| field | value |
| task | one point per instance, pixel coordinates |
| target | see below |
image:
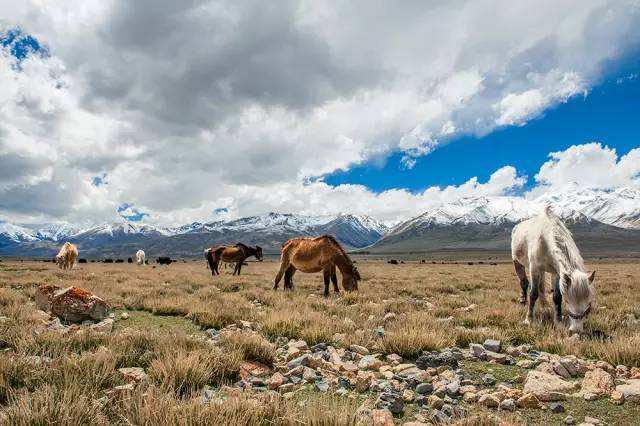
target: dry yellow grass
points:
(430, 303)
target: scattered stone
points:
(134, 374)
(569, 420)
(508, 405)
(389, 316)
(528, 400)
(104, 326)
(592, 420)
(556, 407)
(437, 359)
(596, 383)
(435, 402)
(492, 345)
(617, 397)
(488, 400)
(496, 357)
(526, 363)
(297, 362)
(359, 349)
(394, 359)
(369, 362)
(382, 418)
(408, 395)
(363, 381)
(488, 380)
(477, 350)
(322, 386)
(547, 387)
(276, 381)
(452, 389)
(630, 390)
(124, 316)
(391, 401)
(424, 388)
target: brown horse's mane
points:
(337, 244)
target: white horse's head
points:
(579, 293)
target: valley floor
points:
(193, 371)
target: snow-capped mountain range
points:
(269, 230)
(618, 208)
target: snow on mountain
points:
(124, 228)
(57, 231)
(620, 207)
(479, 210)
(15, 233)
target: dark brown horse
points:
(230, 254)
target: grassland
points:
(435, 306)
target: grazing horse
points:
(140, 257)
(236, 254)
(67, 256)
(312, 255)
(544, 244)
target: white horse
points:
(140, 257)
(543, 244)
(66, 257)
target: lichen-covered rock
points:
(74, 304)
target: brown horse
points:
(236, 254)
(312, 255)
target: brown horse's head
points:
(259, 253)
(350, 279)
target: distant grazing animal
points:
(67, 256)
(83, 260)
(164, 260)
(312, 255)
(236, 254)
(129, 260)
(544, 244)
(392, 262)
(140, 257)
(108, 260)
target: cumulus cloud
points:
(192, 106)
(590, 165)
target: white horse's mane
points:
(563, 246)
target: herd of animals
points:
(541, 244)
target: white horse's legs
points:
(536, 277)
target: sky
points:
(170, 112)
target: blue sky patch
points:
(609, 114)
(128, 212)
(20, 44)
(100, 180)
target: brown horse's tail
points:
(208, 254)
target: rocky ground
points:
(165, 349)
(438, 387)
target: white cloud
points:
(190, 106)
(590, 165)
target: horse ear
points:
(592, 276)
